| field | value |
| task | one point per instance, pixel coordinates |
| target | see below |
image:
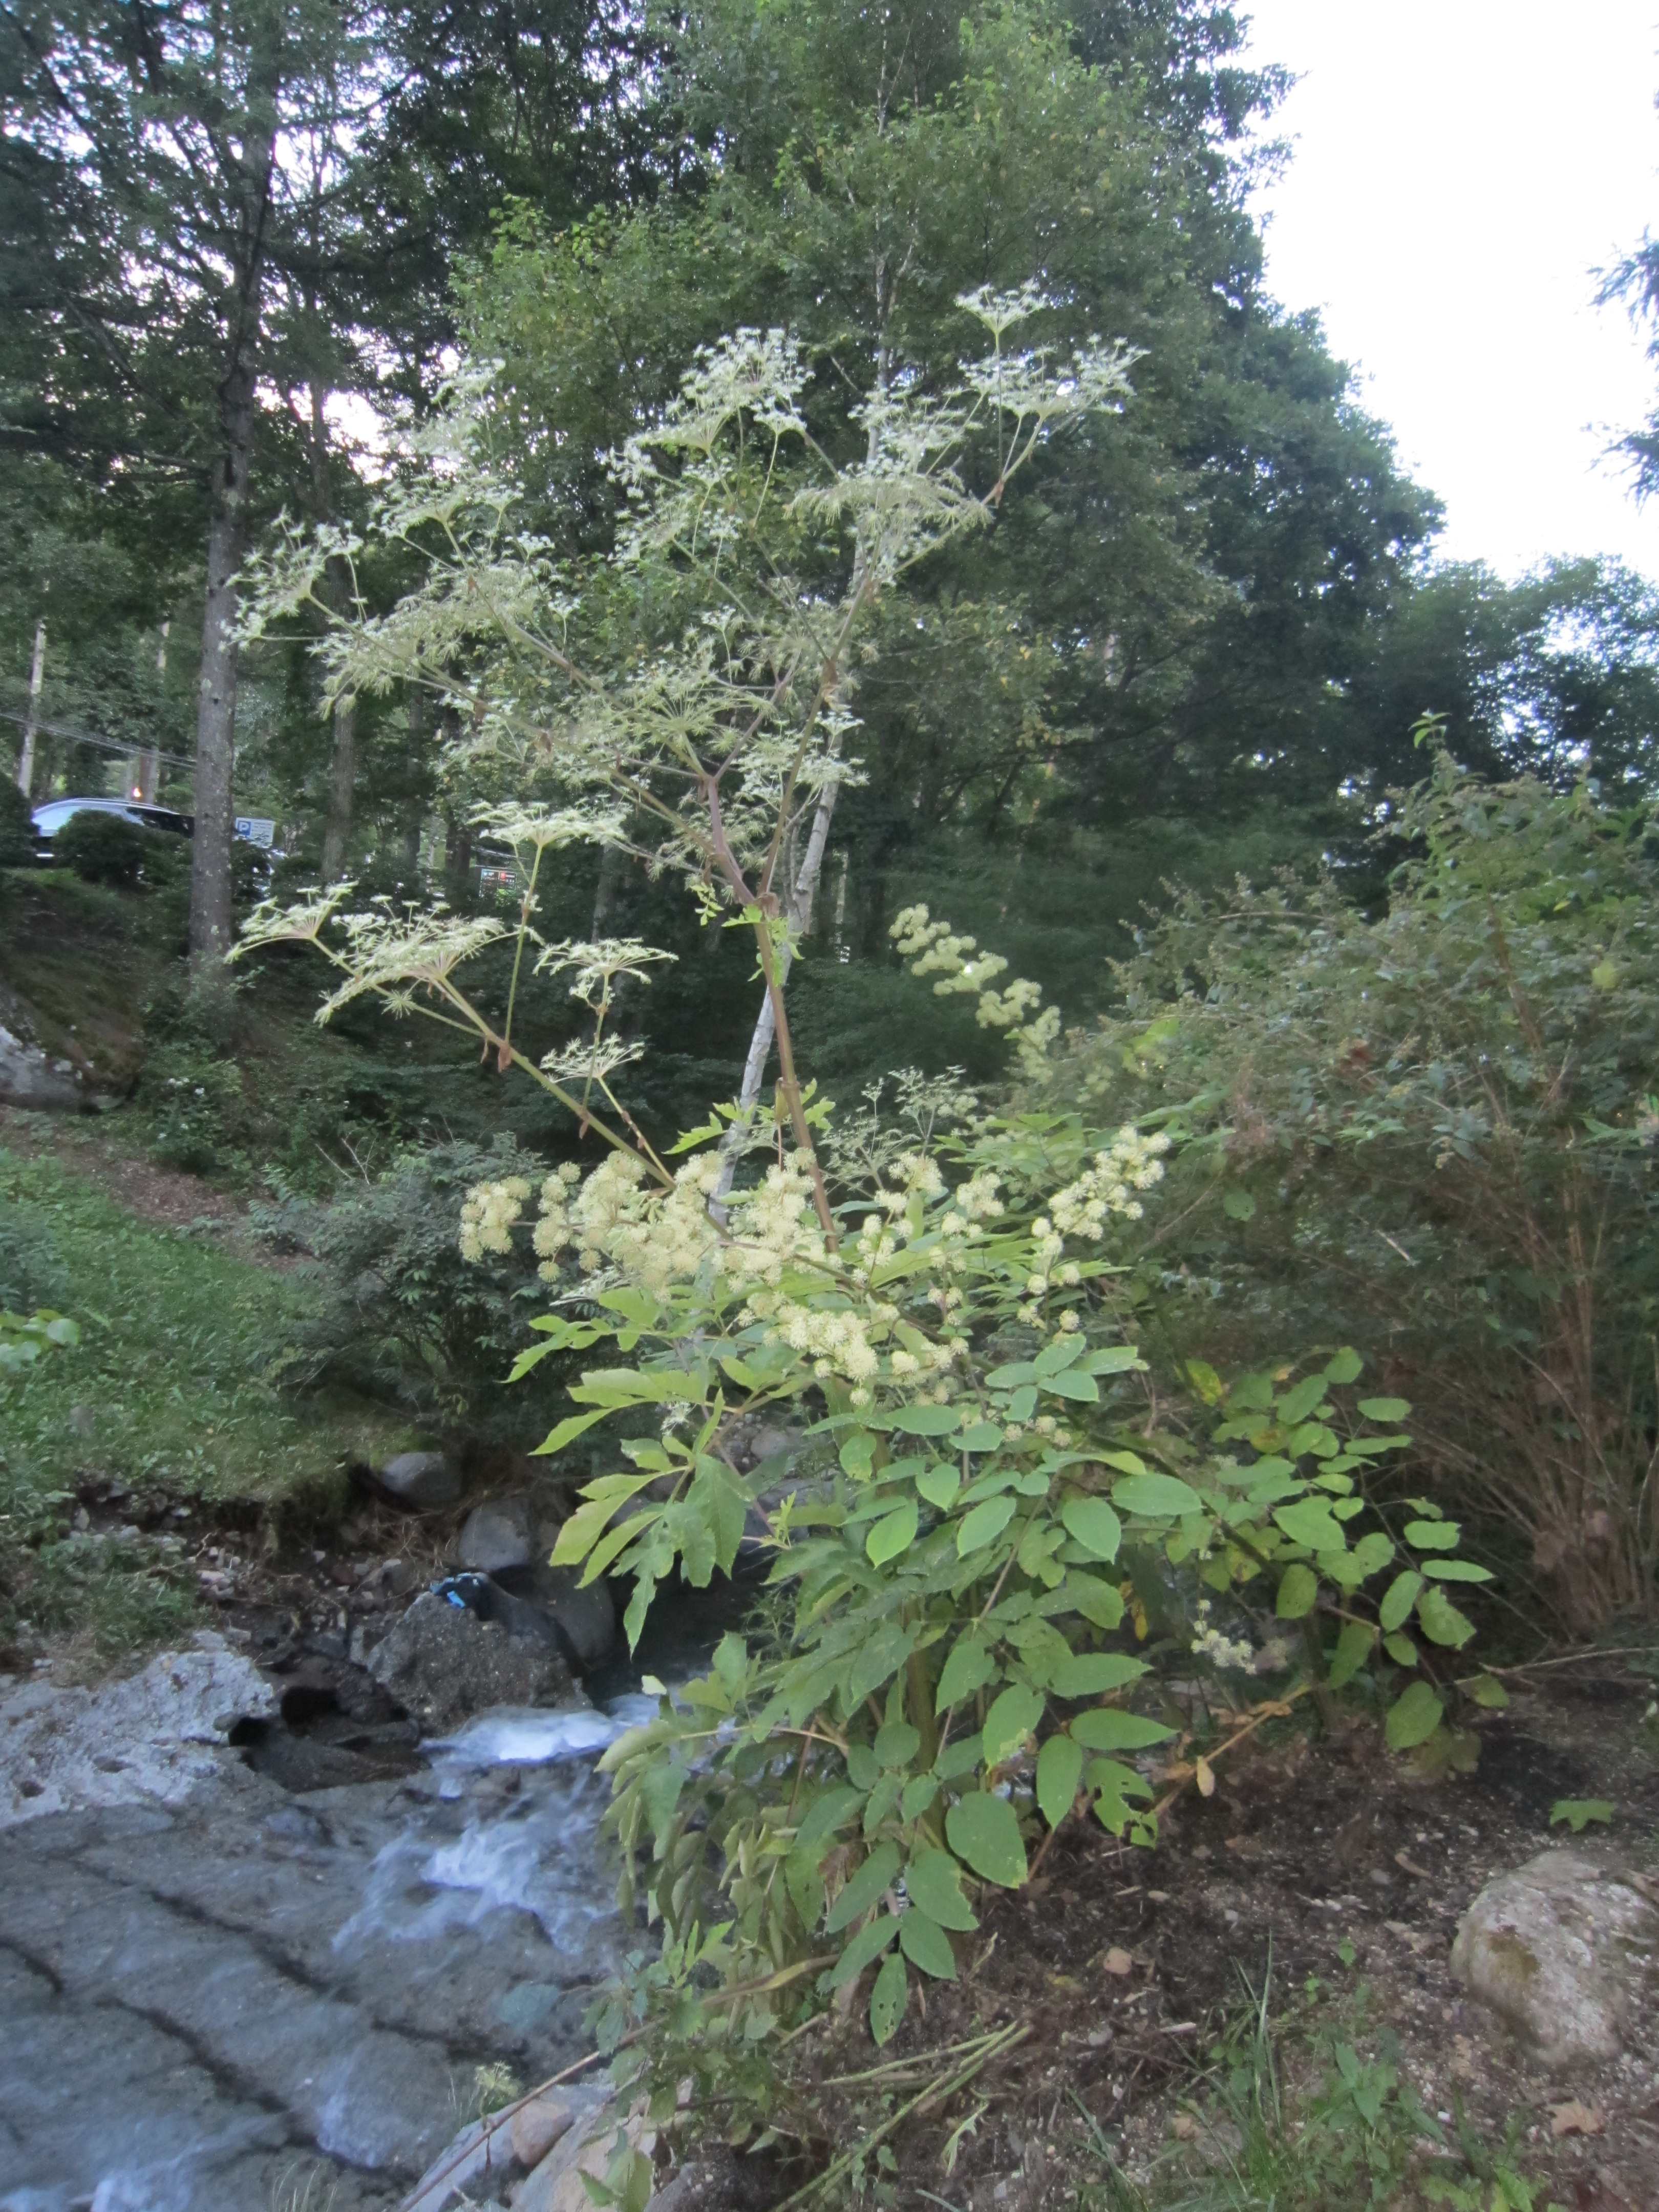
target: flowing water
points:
(257, 2002)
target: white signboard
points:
(255, 829)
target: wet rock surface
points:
(419, 1480)
(263, 1985)
(444, 1661)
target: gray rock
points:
(442, 1664)
(1559, 1949)
(479, 2159)
(153, 1737)
(536, 2126)
(28, 1077)
(496, 1536)
(417, 1480)
(588, 1617)
(556, 2184)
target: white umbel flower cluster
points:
(933, 948)
(1131, 1162)
(487, 1213)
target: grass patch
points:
(167, 1392)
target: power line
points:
(106, 744)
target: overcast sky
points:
(1459, 170)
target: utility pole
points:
(37, 677)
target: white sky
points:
(1459, 169)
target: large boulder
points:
(418, 1481)
(442, 1662)
(491, 2153)
(1558, 1949)
(28, 1078)
(496, 1536)
(585, 1618)
(154, 1736)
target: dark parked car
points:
(50, 818)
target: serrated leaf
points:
(1106, 1729)
(893, 1534)
(1059, 1770)
(1012, 1718)
(926, 1944)
(1091, 1522)
(983, 1525)
(888, 1997)
(567, 1430)
(1579, 1812)
(1089, 1674)
(1398, 1599)
(1298, 1592)
(983, 1831)
(864, 1889)
(1413, 1716)
(1385, 1409)
(968, 1668)
(933, 1880)
(1157, 1497)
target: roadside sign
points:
(255, 828)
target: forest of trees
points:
(242, 244)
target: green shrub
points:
(105, 849)
(1431, 1131)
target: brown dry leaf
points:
(1205, 1777)
(1573, 2118)
(1118, 1962)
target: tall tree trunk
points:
(227, 525)
(149, 762)
(37, 679)
(342, 764)
(342, 775)
(798, 911)
(413, 810)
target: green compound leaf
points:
(897, 1744)
(984, 1833)
(1398, 1599)
(894, 1533)
(939, 1484)
(1489, 1692)
(1105, 1729)
(1344, 1366)
(968, 1668)
(869, 1943)
(932, 1882)
(1401, 1650)
(926, 1944)
(1372, 1554)
(1441, 1621)
(1156, 1496)
(1089, 1674)
(1433, 1535)
(1091, 1522)
(1353, 1649)
(1311, 1522)
(1059, 1770)
(984, 1525)
(919, 1793)
(982, 1437)
(865, 1888)
(1413, 1717)
(1082, 1389)
(888, 1997)
(1298, 1591)
(1012, 1718)
(1387, 1410)
(927, 1420)
(1456, 1570)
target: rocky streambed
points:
(228, 1980)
